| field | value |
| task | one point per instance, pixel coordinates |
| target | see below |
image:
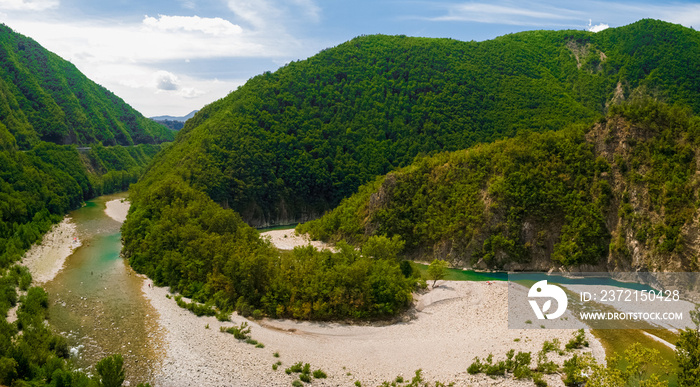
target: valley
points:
(132, 253)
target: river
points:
(97, 302)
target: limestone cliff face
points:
(617, 141)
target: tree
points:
(688, 353)
(437, 270)
(381, 247)
(638, 362)
(111, 371)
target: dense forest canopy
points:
(288, 145)
(47, 109)
(291, 144)
(45, 98)
(621, 195)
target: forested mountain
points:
(170, 124)
(47, 108)
(45, 105)
(45, 98)
(619, 195)
(289, 145)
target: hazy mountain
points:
(173, 118)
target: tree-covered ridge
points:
(38, 187)
(206, 252)
(621, 194)
(290, 144)
(45, 98)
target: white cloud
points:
(262, 14)
(165, 80)
(309, 8)
(190, 92)
(526, 14)
(687, 15)
(255, 12)
(212, 26)
(91, 46)
(550, 13)
(28, 5)
(188, 4)
(598, 27)
(128, 57)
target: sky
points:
(169, 57)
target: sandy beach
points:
(288, 240)
(441, 334)
(458, 321)
(447, 327)
(117, 209)
(44, 260)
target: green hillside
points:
(47, 108)
(620, 195)
(291, 144)
(45, 98)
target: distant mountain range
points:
(173, 118)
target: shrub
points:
(545, 365)
(297, 383)
(111, 371)
(297, 367)
(276, 354)
(475, 367)
(579, 341)
(259, 345)
(305, 378)
(496, 369)
(59, 345)
(194, 307)
(223, 316)
(318, 374)
(573, 370)
(522, 372)
(243, 308)
(539, 380)
(257, 314)
(241, 332)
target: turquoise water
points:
(467, 275)
(96, 300)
